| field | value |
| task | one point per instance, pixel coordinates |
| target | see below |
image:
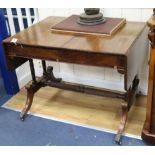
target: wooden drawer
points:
(69, 56)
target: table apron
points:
(70, 56)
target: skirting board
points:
(22, 81)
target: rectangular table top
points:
(40, 35)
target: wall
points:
(96, 76)
(16, 20)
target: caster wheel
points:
(22, 119)
(22, 116)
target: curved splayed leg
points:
(121, 128)
(28, 104)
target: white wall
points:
(130, 14)
(96, 76)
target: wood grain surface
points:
(40, 35)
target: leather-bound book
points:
(70, 25)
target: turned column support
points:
(44, 66)
(151, 24)
(32, 71)
(151, 36)
(148, 132)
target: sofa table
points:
(122, 51)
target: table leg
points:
(28, 104)
(118, 138)
(131, 93)
(36, 85)
(31, 89)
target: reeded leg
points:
(131, 93)
(122, 124)
(31, 89)
(28, 104)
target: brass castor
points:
(22, 116)
(118, 138)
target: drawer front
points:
(89, 58)
(68, 56)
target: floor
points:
(89, 110)
(38, 131)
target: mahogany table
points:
(121, 51)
